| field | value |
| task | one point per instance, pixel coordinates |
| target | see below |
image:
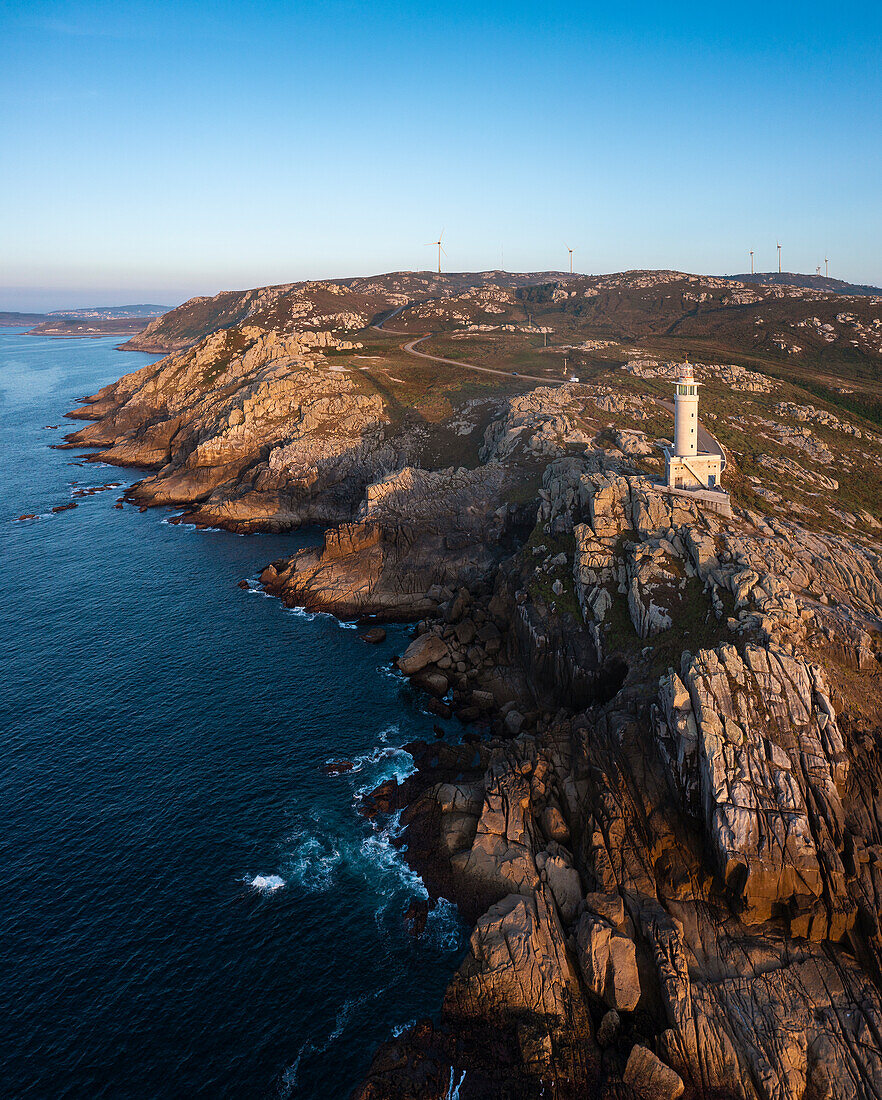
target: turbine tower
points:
(779, 257)
(570, 250)
(751, 261)
(826, 268)
(430, 244)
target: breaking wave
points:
(265, 884)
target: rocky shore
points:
(663, 816)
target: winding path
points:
(410, 348)
(706, 441)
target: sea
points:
(190, 905)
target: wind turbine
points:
(440, 249)
(570, 250)
(826, 269)
(751, 261)
(779, 257)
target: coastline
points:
(640, 680)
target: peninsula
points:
(663, 815)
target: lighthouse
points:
(686, 466)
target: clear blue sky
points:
(149, 151)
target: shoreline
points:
(638, 678)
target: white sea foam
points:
(453, 1089)
(393, 729)
(301, 613)
(266, 884)
(400, 1029)
(167, 522)
(255, 588)
(382, 763)
(314, 861)
(444, 929)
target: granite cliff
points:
(663, 817)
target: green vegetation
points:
(234, 344)
(540, 584)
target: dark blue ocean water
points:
(189, 906)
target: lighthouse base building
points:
(686, 467)
(698, 471)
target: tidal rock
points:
(425, 650)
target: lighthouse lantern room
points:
(686, 467)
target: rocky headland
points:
(663, 817)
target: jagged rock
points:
(434, 682)
(608, 961)
(565, 885)
(500, 861)
(517, 973)
(766, 755)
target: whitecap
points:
(382, 764)
(167, 521)
(400, 1029)
(266, 884)
(255, 588)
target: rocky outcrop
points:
(248, 430)
(700, 838)
(417, 530)
(543, 422)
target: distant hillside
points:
(83, 326)
(14, 320)
(110, 313)
(814, 282)
(338, 305)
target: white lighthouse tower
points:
(687, 467)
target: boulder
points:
(650, 1078)
(425, 650)
(554, 826)
(609, 1028)
(433, 682)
